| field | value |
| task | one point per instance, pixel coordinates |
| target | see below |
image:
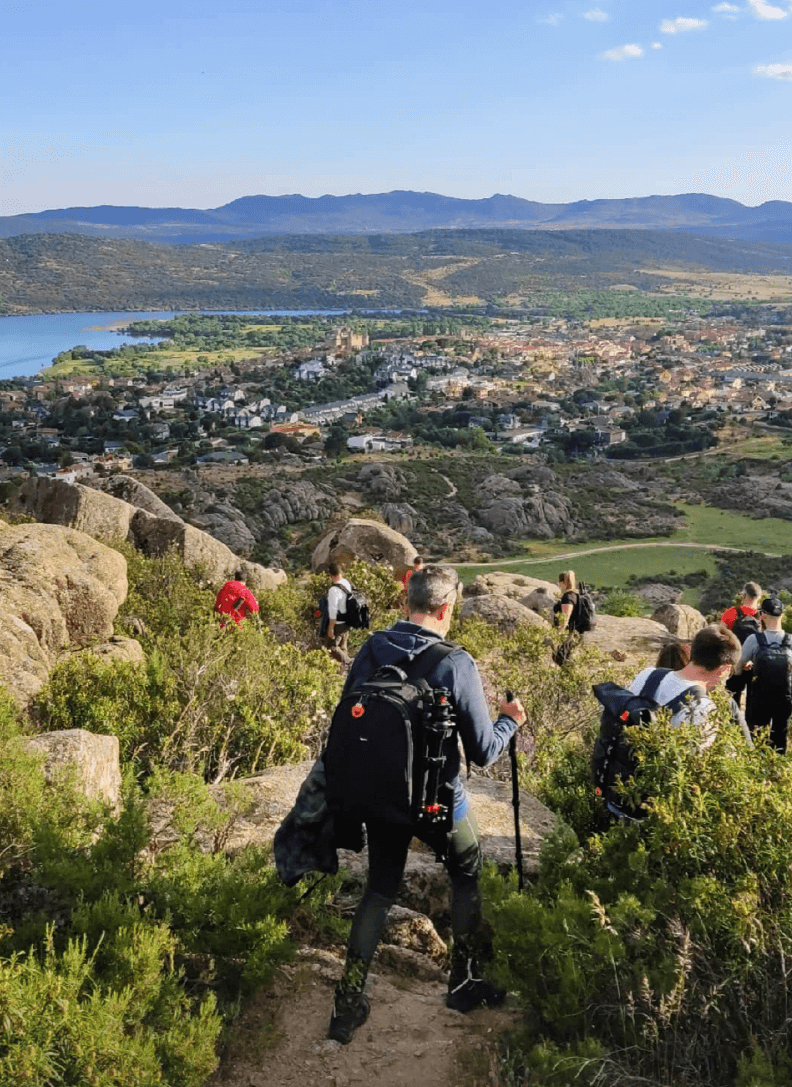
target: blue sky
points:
(196, 102)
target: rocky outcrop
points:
(502, 583)
(371, 541)
(500, 611)
(118, 648)
(381, 483)
(402, 517)
(636, 641)
(55, 502)
(658, 594)
(295, 501)
(507, 510)
(225, 523)
(137, 494)
(756, 495)
(89, 761)
(108, 518)
(542, 601)
(60, 590)
(682, 620)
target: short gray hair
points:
(431, 587)
(751, 590)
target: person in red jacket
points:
(235, 600)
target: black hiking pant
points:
(388, 846)
(774, 711)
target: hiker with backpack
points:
(574, 613)
(336, 637)
(766, 658)
(683, 692)
(743, 620)
(235, 601)
(379, 758)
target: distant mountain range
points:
(402, 212)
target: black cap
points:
(772, 606)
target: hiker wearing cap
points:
(767, 656)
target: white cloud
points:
(763, 10)
(596, 16)
(678, 26)
(551, 20)
(728, 11)
(623, 52)
(657, 45)
(782, 72)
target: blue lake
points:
(29, 344)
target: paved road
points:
(599, 550)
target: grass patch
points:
(705, 524)
(612, 568)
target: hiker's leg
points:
(387, 846)
(758, 712)
(779, 725)
(472, 947)
(464, 868)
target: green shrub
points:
(64, 1021)
(620, 602)
(665, 941)
(136, 702)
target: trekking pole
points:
(516, 803)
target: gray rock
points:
(500, 611)
(137, 494)
(658, 594)
(402, 517)
(90, 761)
(680, 619)
(368, 540)
(60, 590)
(381, 483)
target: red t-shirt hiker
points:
(235, 600)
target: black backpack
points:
(745, 625)
(388, 745)
(772, 667)
(612, 758)
(357, 610)
(584, 614)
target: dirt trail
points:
(410, 1038)
(597, 550)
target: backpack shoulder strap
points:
(761, 638)
(652, 683)
(678, 701)
(420, 667)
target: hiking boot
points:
(466, 990)
(475, 993)
(350, 1010)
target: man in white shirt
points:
(767, 657)
(713, 653)
(337, 637)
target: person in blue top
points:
(432, 593)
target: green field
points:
(613, 567)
